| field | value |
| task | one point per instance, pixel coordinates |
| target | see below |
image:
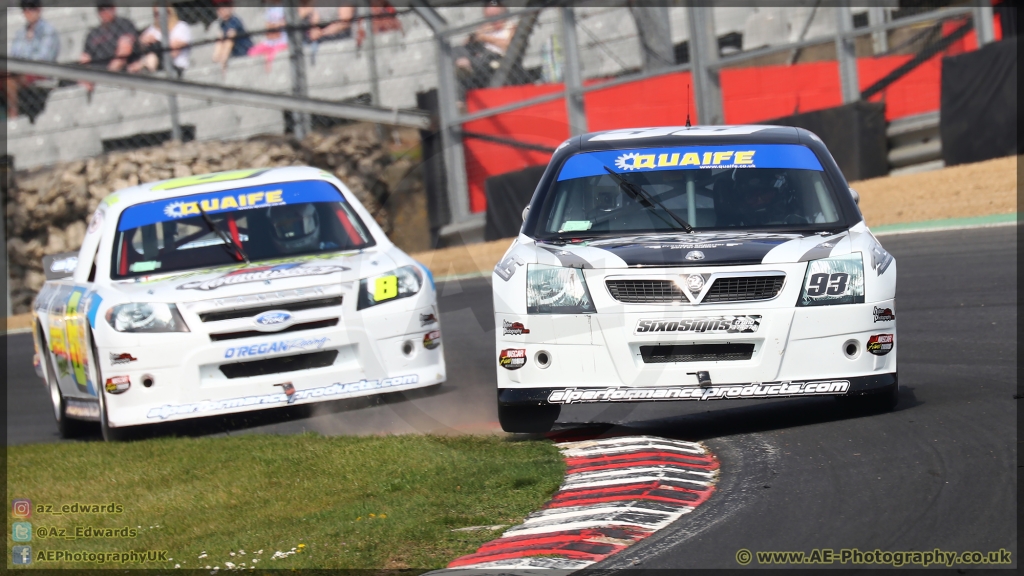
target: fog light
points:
(408, 348)
(543, 359)
(851, 349)
(148, 380)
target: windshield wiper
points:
(228, 240)
(638, 194)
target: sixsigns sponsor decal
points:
(884, 314)
(754, 390)
(713, 325)
(513, 328)
(512, 358)
(336, 389)
(881, 344)
(262, 273)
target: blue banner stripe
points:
(690, 158)
(263, 196)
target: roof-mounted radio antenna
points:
(687, 104)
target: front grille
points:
(292, 328)
(744, 289)
(696, 353)
(279, 365)
(289, 306)
(645, 291)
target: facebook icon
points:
(21, 555)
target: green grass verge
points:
(339, 502)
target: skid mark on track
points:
(616, 492)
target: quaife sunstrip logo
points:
(755, 390)
(859, 557)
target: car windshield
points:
(226, 227)
(752, 187)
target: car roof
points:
(688, 136)
(213, 182)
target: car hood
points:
(256, 278)
(697, 249)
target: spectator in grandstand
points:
(340, 28)
(36, 41)
(233, 41)
(486, 46)
(309, 18)
(275, 40)
(151, 44)
(113, 44)
(383, 18)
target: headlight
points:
(833, 281)
(401, 283)
(556, 290)
(146, 317)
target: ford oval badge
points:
(273, 319)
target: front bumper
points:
(604, 350)
(383, 351)
(853, 386)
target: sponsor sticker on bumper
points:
(754, 390)
(708, 325)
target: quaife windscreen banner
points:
(264, 196)
(690, 158)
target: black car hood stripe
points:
(672, 249)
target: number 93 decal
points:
(822, 284)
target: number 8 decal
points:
(828, 284)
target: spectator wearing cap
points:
(233, 41)
(151, 43)
(38, 40)
(112, 44)
(275, 40)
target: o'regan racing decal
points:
(262, 273)
(280, 346)
(881, 344)
(690, 158)
(713, 325)
(755, 390)
(512, 358)
(336, 389)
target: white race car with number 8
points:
(231, 292)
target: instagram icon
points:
(21, 508)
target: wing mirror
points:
(856, 196)
(525, 212)
(57, 266)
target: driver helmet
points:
(294, 228)
(760, 190)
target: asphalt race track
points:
(798, 474)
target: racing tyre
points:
(66, 427)
(526, 419)
(876, 402)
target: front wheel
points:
(527, 419)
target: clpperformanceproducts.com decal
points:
(754, 390)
